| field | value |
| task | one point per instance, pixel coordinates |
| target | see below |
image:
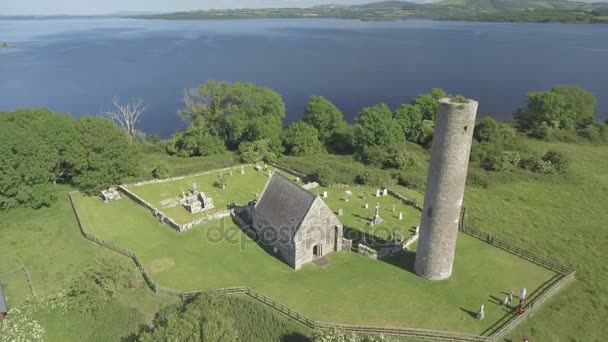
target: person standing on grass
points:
(523, 293)
(506, 301)
(510, 298)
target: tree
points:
(259, 116)
(409, 118)
(127, 115)
(325, 176)
(578, 100)
(302, 139)
(26, 162)
(429, 103)
(490, 129)
(109, 154)
(256, 151)
(209, 107)
(564, 107)
(195, 141)
(342, 141)
(375, 127)
(236, 111)
(324, 116)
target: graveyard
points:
(344, 288)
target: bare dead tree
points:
(126, 115)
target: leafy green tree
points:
(196, 141)
(578, 100)
(259, 116)
(162, 170)
(256, 151)
(425, 132)
(240, 111)
(409, 118)
(490, 129)
(26, 162)
(302, 139)
(210, 107)
(561, 108)
(342, 141)
(375, 127)
(428, 104)
(324, 116)
(109, 154)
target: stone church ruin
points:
(298, 225)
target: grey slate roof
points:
(284, 204)
(3, 308)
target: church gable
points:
(284, 204)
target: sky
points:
(49, 7)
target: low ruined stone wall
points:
(290, 171)
(405, 200)
(204, 219)
(157, 213)
(167, 219)
(390, 251)
(367, 251)
(233, 168)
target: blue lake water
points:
(78, 65)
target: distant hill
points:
(478, 10)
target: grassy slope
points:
(565, 219)
(48, 242)
(338, 292)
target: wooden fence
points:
(567, 275)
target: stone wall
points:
(204, 219)
(367, 251)
(347, 244)
(168, 220)
(405, 200)
(234, 168)
(157, 213)
(290, 171)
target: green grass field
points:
(49, 243)
(350, 289)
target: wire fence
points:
(10, 274)
(567, 275)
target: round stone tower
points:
(445, 187)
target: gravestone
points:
(401, 216)
(377, 192)
(366, 205)
(340, 212)
(385, 192)
(324, 194)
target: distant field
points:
(350, 289)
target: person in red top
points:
(520, 310)
(525, 339)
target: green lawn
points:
(563, 217)
(49, 243)
(239, 188)
(350, 289)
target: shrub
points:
(100, 283)
(253, 152)
(374, 179)
(505, 161)
(324, 176)
(490, 129)
(162, 170)
(557, 159)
